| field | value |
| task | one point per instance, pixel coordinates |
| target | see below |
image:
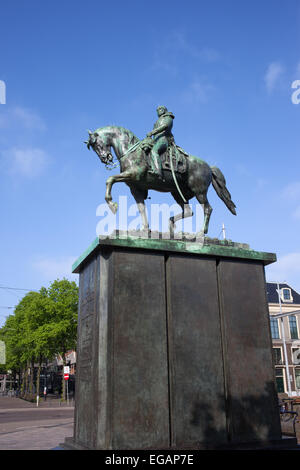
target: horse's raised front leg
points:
(124, 177)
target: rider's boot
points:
(156, 168)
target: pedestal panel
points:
(195, 349)
(251, 395)
(86, 372)
(140, 403)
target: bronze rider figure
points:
(162, 132)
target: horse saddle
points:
(177, 154)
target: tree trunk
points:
(26, 377)
(22, 378)
(38, 377)
(31, 377)
(19, 379)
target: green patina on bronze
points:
(223, 248)
(157, 163)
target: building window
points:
(296, 355)
(274, 328)
(277, 356)
(293, 327)
(297, 378)
(279, 380)
(286, 295)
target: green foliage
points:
(44, 324)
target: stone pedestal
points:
(174, 347)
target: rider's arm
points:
(159, 129)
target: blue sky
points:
(224, 69)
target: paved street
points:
(24, 426)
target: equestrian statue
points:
(157, 163)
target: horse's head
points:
(100, 146)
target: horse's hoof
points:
(113, 207)
(200, 236)
(171, 232)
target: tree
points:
(21, 335)
(62, 328)
(11, 337)
(43, 325)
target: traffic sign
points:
(66, 376)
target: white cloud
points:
(175, 47)
(180, 43)
(28, 162)
(29, 119)
(55, 268)
(160, 64)
(287, 268)
(209, 54)
(261, 183)
(21, 117)
(296, 213)
(198, 91)
(272, 76)
(291, 192)
(290, 195)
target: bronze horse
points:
(135, 172)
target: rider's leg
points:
(155, 162)
(158, 148)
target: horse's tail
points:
(219, 184)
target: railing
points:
(288, 416)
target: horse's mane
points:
(121, 130)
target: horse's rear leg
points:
(186, 212)
(140, 197)
(207, 209)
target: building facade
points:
(284, 309)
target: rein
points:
(114, 165)
(134, 146)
